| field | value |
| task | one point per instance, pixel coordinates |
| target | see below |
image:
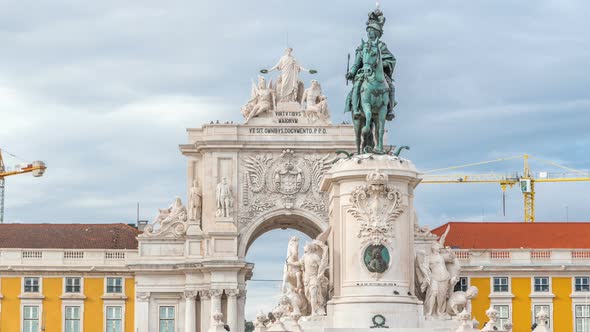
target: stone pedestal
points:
(372, 248)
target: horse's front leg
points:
(381, 127)
(368, 116)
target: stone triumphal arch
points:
(242, 180)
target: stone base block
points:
(371, 312)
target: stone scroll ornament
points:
(170, 222)
(376, 205)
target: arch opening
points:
(305, 223)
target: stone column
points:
(215, 302)
(241, 310)
(205, 310)
(190, 315)
(142, 311)
(232, 309)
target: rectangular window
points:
(72, 319)
(166, 319)
(462, 284)
(114, 318)
(503, 315)
(582, 284)
(541, 284)
(31, 285)
(73, 285)
(501, 284)
(114, 285)
(30, 319)
(582, 318)
(537, 308)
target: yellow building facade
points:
(519, 274)
(69, 278)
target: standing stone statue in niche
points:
(195, 200)
(437, 274)
(224, 198)
(289, 87)
(372, 97)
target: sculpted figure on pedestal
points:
(458, 300)
(169, 222)
(224, 198)
(493, 320)
(436, 280)
(195, 200)
(316, 104)
(262, 100)
(305, 280)
(315, 280)
(289, 87)
(292, 287)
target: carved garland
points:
(376, 206)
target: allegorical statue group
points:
(287, 91)
(305, 279)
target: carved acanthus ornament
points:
(190, 294)
(376, 205)
(287, 180)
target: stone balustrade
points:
(495, 257)
(65, 257)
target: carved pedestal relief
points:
(284, 181)
(376, 205)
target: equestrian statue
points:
(372, 97)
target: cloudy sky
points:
(102, 91)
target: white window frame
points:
(122, 286)
(72, 303)
(79, 304)
(173, 305)
(550, 313)
(574, 284)
(550, 285)
(574, 304)
(22, 290)
(113, 303)
(509, 305)
(81, 285)
(31, 303)
(508, 280)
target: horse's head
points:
(371, 53)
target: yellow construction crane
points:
(526, 180)
(37, 168)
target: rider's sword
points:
(347, 68)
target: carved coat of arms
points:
(287, 181)
(376, 206)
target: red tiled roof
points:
(515, 235)
(68, 236)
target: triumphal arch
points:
(243, 179)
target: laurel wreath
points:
(379, 322)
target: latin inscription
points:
(289, 131)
